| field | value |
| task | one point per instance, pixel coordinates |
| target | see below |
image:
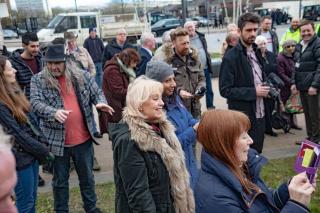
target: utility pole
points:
(75, 4)
(300, 7)
(184, 10)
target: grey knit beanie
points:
(158, 70)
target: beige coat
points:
(84, 57)
(189, 77)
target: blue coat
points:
(218, 190)
(145, 58)
(183, 121)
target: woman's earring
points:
(140, 109)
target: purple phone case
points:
(311, 171)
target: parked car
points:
(9, 34)
(165, 24)
(278, 15)
(312, 12)
(154, 17)
(202, 22)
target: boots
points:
(96, 166)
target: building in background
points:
(32, 7)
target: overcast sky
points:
(71, 3)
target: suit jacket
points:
(145, 58)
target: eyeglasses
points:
(290, 46)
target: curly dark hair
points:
(248, 17)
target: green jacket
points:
(318, 30)
(290, 35)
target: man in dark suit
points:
(148, 44)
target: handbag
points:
(293, 104)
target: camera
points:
(274, 82)
(200, 91)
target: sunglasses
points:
(290, 46)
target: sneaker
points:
(41, 182)
(96, 166)
(97, 135)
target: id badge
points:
(297, 65)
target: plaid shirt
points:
(46, 101)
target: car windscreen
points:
(159, 23)
(54, 22)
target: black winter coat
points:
(113, 48)
(236, 81)
(95, 48)
(28, 146)
(24, 73)
(307, 65)
(150, 178)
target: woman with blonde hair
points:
(149, 168)
(229, 180)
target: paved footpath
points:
(274, 147)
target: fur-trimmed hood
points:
(171, 153)
(171, 54)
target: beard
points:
(249, 41)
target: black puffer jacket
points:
(24, 73)
(307, 65)
(113, 48)
(29, 143)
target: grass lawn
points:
(276, 172)
(215, 55)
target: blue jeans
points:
(82, 156)
(26, 188)
(99, 74)
(209, 92)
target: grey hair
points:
(166, 36)
(121, 30)
(188, 23)
(260, 39)
(288, 42)
(71, 71)
(146, 37)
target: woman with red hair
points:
(229, 178)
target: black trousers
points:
(256, 132)
(269, 107)
(311, 109)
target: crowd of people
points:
(148, 102)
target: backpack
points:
(280, 121)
